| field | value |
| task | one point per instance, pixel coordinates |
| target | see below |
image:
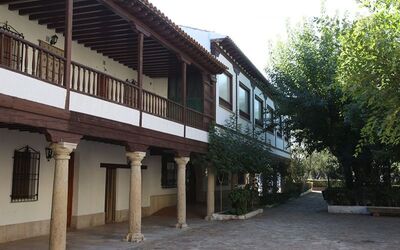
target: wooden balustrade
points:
(95, 83)
(195, 119)
(162, 107)
(30, 59)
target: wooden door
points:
(110, 199)
(70, 189)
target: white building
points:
(242, 91)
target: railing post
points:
(69, 7)
(2, 47)
(140, 73)
(183, 94)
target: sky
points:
(252, 24)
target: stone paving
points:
(299, 224)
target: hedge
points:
(365, 196)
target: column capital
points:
(62, 150)
(136, 157)
(182, 161)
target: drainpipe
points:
(252, 117)
(237, 72)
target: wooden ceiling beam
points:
(97, 35)
(51, 18)
(83, 21)
(83, 10)
(57, 6)
(118, 24)
(106, 39)
(32, 3)
(101, 31)
(127, 43)
(124, 51)
(13, 1)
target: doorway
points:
(190, 184)
(110, 199)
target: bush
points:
(242, 199)
(364, 196)
(275, 198)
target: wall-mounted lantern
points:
(53, 40)
(49, 153)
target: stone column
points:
(181, 206)
(247, 178)
(210, 192)
(58, 224)
(135, 197)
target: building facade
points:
(102, 104)
(242, 93)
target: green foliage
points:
(314, 165)
(241, 200)
(304, 73)
(313, 79)
(370, 70)
(237, 150)
(366, 196)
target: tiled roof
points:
(160, 23)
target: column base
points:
(208, 217)
(181, 225)
(134, 237)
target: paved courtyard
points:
(299, 224)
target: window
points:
(25, 179)
(280, 127)
(244, 101)
(168, 172)
(270, 119)
(224, 82)
(258, 111)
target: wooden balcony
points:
(24, 57)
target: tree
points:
(370, 69)
(304, 74)
(236, 149)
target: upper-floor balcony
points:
(107, 62)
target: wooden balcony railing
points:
(95, 83)
(162, 107)
(195, 119)
(30, 59)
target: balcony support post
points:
(184, 63)
(69, 8)
(140, 73)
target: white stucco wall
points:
(91, 186)
(20, 212)
(162, 125)
(31, 89)
(101, 108)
